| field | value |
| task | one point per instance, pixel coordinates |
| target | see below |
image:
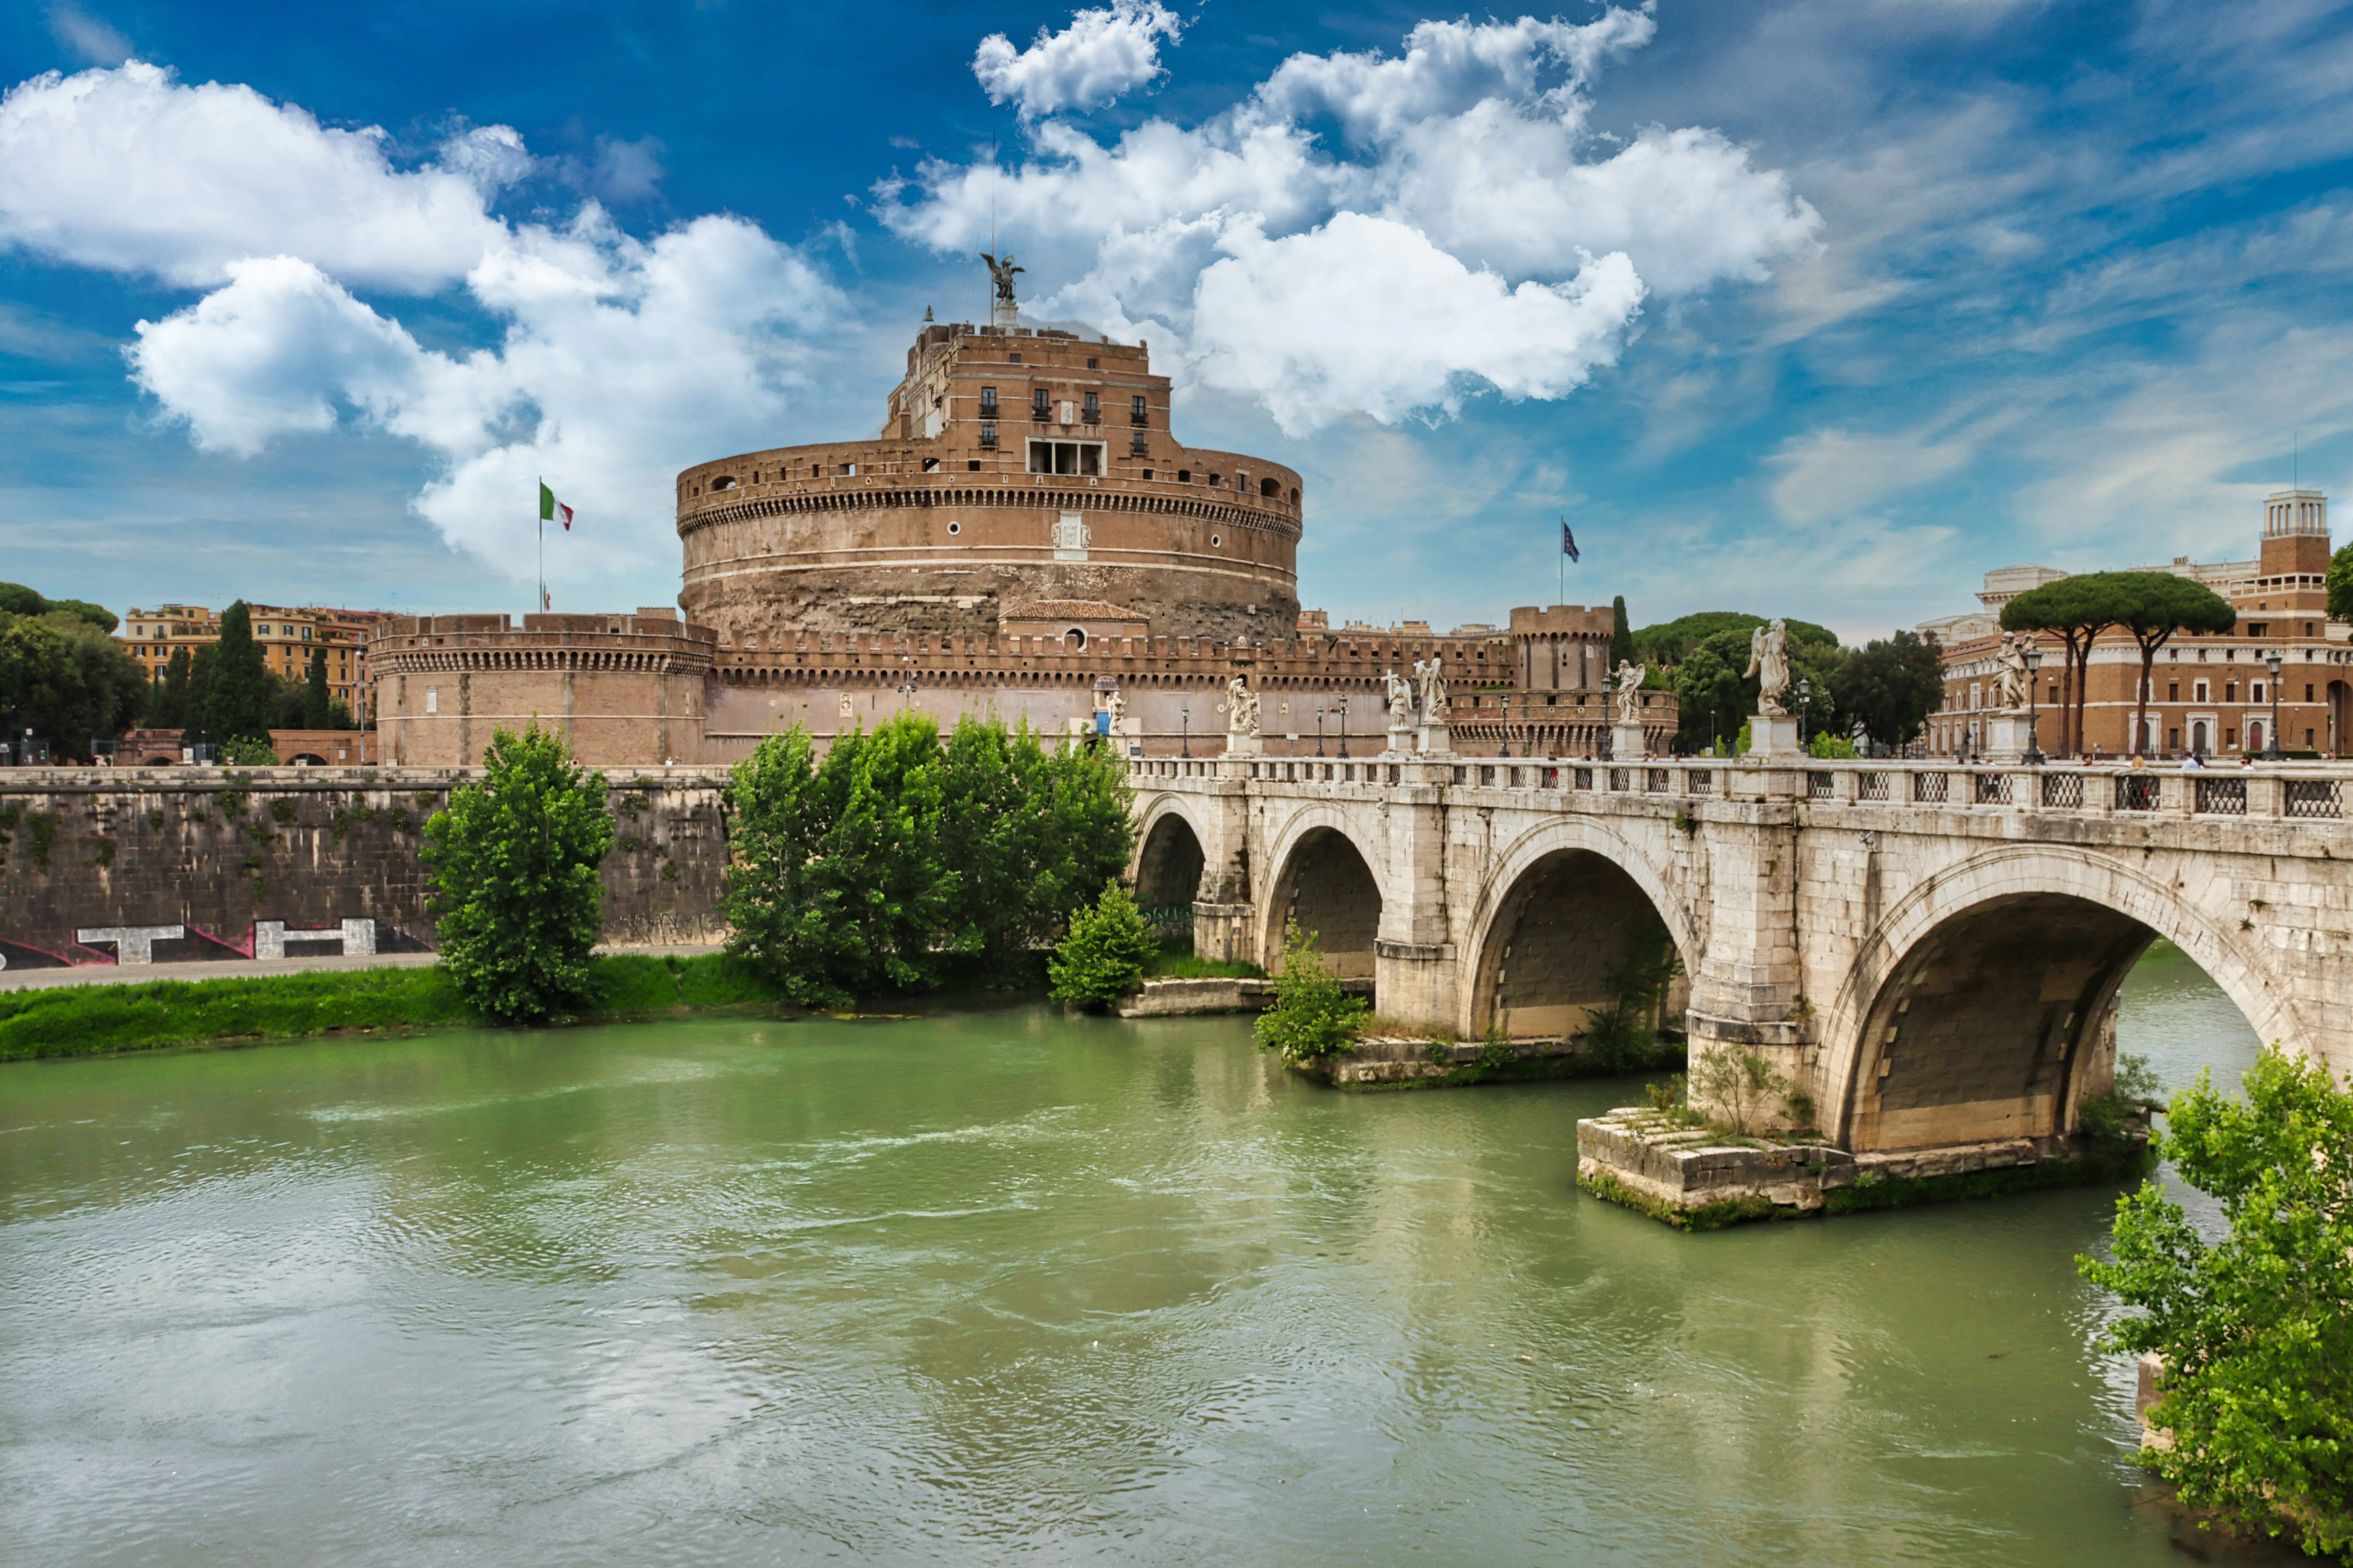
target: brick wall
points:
(311, 846)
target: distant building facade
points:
(2208, 694)
(286, 635)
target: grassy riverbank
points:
(100, 1020)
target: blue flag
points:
(1567, 540)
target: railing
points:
(2294, 792)
(2222, 797)
(2311, 797)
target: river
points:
(992, 1286)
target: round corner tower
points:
(1022, 479)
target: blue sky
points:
(1819, 308)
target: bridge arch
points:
(1170, 858)
(1320, 876)
(1567, 901)
(2016, 956)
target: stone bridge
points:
(1933, 951)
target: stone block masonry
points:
(241, 861)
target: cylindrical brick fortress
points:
(1021, 476)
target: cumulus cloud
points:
(1451, 202)
(622, 361)
(129, 171)
(1100, 55)
(618, 360)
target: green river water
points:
(993, 1286)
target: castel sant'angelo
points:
(1026, 537)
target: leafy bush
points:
(1739, 1085)
(513, 864)
(2256, 1330)
(246, 753)
(1624, 1035)
(2114, 1122)
(1103, 958)
(1312, 1017)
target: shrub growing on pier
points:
(1103, 957)
(512, 863)
(1312, 1017)
(2257, 1330)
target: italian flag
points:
(552, 510)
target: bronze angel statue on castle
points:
(1002, 271)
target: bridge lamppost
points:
(1805, 714)
(1187, 748)
(1344, 727)
(2031, 655)
(1319, 728)
(2272, 752)
(1507, 726)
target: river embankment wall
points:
(230, 856)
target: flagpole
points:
(542, 548)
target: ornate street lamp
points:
(2272, 751)
(1344, 727)
(1507, 726)
(1319, 728)
(1187, 748)
(2033, 655)
(1805, 714)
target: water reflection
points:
(993, 1286)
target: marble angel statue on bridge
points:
(1432, 676)
(1630, 691)
(2010, 678)
(1242, 708)
(1400, 692)
(1769, 659)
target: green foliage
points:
(246, 751)
(1739, 1087)
(1831, 747)
(2257, 1330)
(1032, 835)
(101, 1019)
(16, 599)
(512, 865)
(316, 698)
(1177, 961)
(1711, 698)
(2340, 585)
(2115, 1123)
(2150, 605)
(1312, 1017)
(67, 681)
(1624, 1035)
(1103, 959)
(1622, 633)
(170, 700)
(838, 887)
(1671, 642)
(862, 875)
(1891, 687)
(232, 696)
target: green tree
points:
(2152, 606)
(513, 864)
(1891, 687)
(1312, 1017)
(1103, 958)
(67, 681)
(1621, 634)
(234, 698)
(16, 599)
(2077, 610)
(1669, 642)
(838, 887)
(316, 698)
(2257, 1330)
(2340, 585)
(1711, 698)
(169, 704)
(1032, 834)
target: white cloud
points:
(1445, 206)
(1829, 475)
(1100, 55)
(89, 39)
(129, 171)
(622, 361)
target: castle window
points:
(1093, 414)
(849, 469)
(972, 464)
(931, 465)
(723, 482)
(1268, 489)
(1015, 356)
(988, 403)
(1147, 473)
(1184, 476)
(987, 438)
(1082, 457)
(956, 528)
(1139, 447)
(1039, 408)
(1294, 495)
(1076, 638)
(1216, 540)
(1213, 478)
(1091, 364)
(814, 470)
